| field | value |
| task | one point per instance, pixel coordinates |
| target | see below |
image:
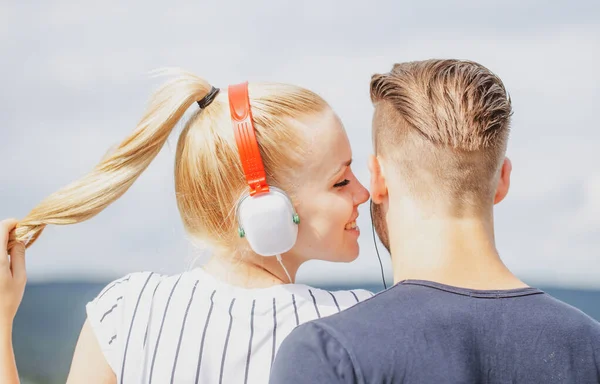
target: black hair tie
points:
(206, 100)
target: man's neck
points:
(457, 252)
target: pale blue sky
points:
(75, 81)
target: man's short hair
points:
(444, 126)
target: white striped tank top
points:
(193, 328)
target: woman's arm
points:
(89, 364)
(12, 285)
(8, 366)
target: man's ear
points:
(378, 185)
(503, 181)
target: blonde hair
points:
(445, 123)
(208, 174)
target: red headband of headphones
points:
(243, 128)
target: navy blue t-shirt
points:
(425, 332)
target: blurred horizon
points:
(347, 282)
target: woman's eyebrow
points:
(344, 165)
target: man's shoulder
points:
(406, 306)
(564, 317)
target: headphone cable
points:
(375, 242)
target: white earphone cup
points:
(268, 223)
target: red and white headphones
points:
(265, 215)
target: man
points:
(456, 313)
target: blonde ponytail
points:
(112, 177)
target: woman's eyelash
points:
(342, 183)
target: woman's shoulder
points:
(134, 288)
(127, 284)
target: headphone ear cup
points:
(269, 223)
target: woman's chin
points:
(350, 255)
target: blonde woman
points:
(224, 322)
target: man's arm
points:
(310, 354)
